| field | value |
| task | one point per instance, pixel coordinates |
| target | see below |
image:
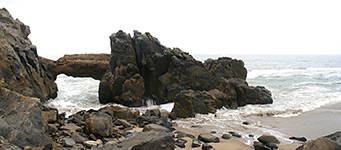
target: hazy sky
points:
(198, 27)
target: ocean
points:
(299, 84)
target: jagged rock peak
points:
(21, 69)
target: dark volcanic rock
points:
(181, 143)
(243, 94)
(226, 67)
(80, 65)
(268, 139)
(21, 69)
(22, 120)
(302, 139)
(151, 140)
(196, 143)
(206, 146)
(260, 146)
(188, 102)
(141, 68)
(165, 72)
(208, 138)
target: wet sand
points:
(312, 124)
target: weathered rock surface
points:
(141, 68)
(119, 112)
(268, 139)
(243, 94)
(163, 71)
(22, 120)
(100, 124)
(21, 69)
(80, 65)
(154, 127)
(5, 145)
(208, 138)
(335, 137)
(188, 102)
(226, 67)
(320, 144)
(152, 140)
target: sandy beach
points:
(312, 124)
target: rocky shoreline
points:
(137, 69)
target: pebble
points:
(226, 136)
(68, 142)
(181, 143)
(302, 139)
(235, 134)
(90, 143)
(196, 143)
(206, 146)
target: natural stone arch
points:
(80, 65)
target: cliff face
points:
(21, 70)
(141, 68)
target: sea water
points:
(299, 83)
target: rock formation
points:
(21, 121)
(21, 69)
(141, 68)
(80, 65)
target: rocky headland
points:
(138, 68)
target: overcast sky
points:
(198, 27)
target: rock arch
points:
(79, 65)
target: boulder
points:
(243, 94)
(196, 143)
(50, 114)
(335, 137)
(320, 144)
(152, 140)
(180, 143)
(21, 69)
(77, 137)
(154, 127)
(188, 102)
(119, 112)
(99, 124)
(260, 146)
(268, 139)
(80, 65)
(208, 138)
(71, 127)
(206, 146)
(68, 142)
(152, 112)
(22, 120)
